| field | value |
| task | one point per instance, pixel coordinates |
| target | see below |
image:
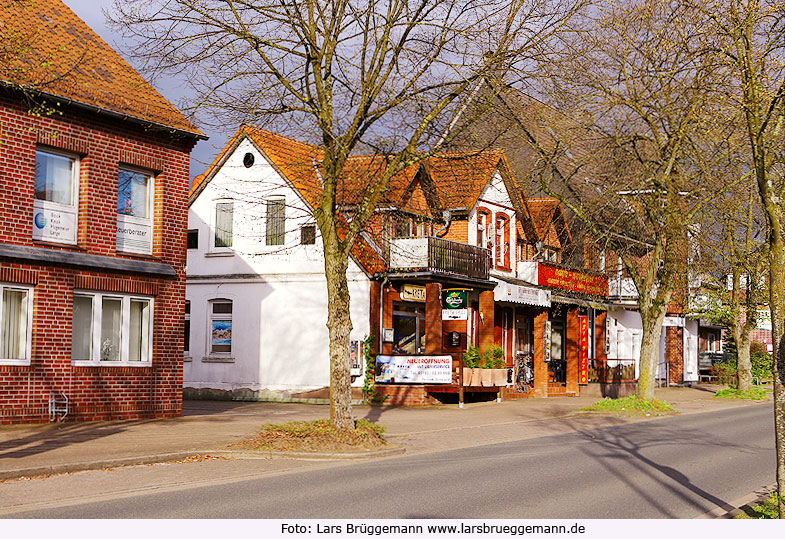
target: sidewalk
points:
(212, 425)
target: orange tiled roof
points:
(354, 180)
(544, 211)
(460, 177)
(48, 48)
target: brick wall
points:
(95, 392)
(674, 353)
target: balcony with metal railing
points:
(438, 255)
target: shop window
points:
(134, 211)
(15, 324)
(557, 364)
(308, 235)
(408, 328)
(111, 329)
(55, 207)
(187, 329)
(224, 225)
(192, 241)
(276, 216)
(220, 329)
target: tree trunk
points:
(650, 353)
(777, 305)
(339, 325)
(743, 363)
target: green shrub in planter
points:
(494, 357)
(472, 358)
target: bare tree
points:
(734, 264)
(751, 36)
(640, 78)
(349, 75)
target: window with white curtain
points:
(111, 329)
(224, 225)
(16, 316)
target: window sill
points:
(111, 364)
(67, 245)
(146, 256)
(14, 362)
(219, 253)
(217, 359)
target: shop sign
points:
(522, 294)
(455, 305)
(547, 341)
(414, 369)
(583, 370)
(133, 237)
(410, 292)
(576, 281)
(673, 321)
(51, 224)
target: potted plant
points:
(495, 374)
(471, 364)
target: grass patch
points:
(755, 393)
(629, 404)
(316, 436)
(767, 509)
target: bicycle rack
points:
(58, 404)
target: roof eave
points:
(103, 111)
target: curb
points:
(742, 504)
(56, 469)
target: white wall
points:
(279, 334)
(496, 199)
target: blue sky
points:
(91, 11)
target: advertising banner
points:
(576, 281)
(414, 369)
(583, 367)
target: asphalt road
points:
(679, 467)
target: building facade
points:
(94, 202)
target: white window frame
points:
(125, 327)
(28, 346)
(218, 317)
(267, 239)
(50, 208)
(212, 248)
(138, 224)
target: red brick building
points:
(93, 202)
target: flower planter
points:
(467, 376)
(486, 377)
(499, 377)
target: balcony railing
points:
(439, 255)
(623, 288)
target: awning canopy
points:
(517, 291)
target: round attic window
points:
(248, 160)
